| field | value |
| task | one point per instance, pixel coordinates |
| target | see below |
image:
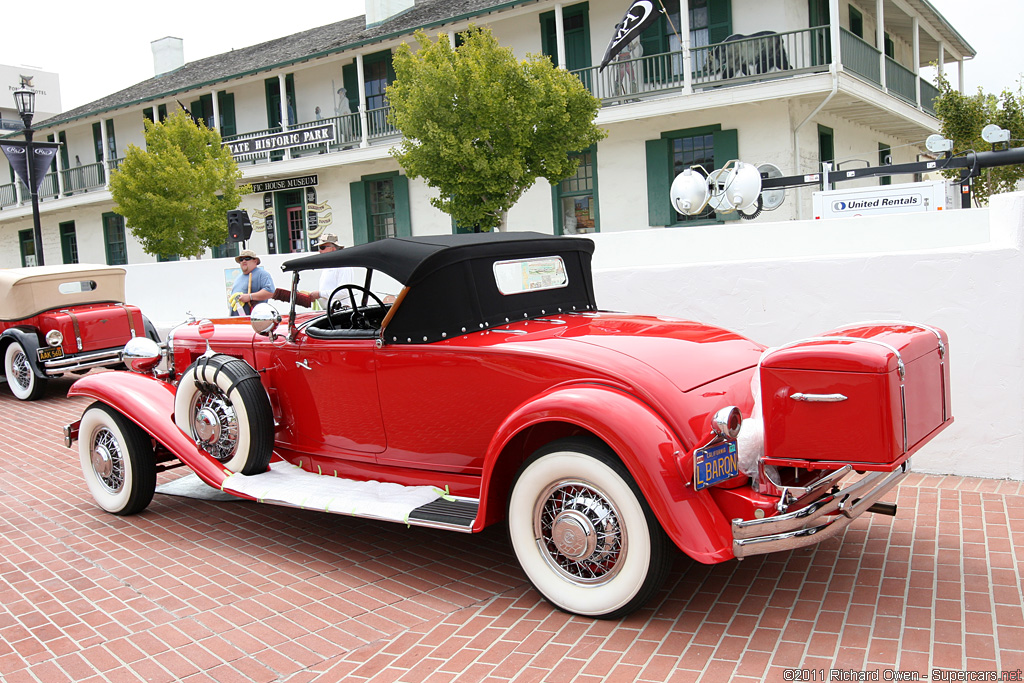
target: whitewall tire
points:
(583, 534)
(117, 460)
(20, 377)
(221, 403)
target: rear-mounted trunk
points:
(868, 395)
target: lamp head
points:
(689, 193)
(25, 99)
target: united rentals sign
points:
(316, 135)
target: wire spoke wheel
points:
(580, 531)
(215, 424)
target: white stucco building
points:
(836, 80)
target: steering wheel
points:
(358, 320)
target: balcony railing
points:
(859, 57)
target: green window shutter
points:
(350, 77)
(97, 141)
(654, 39)
(727, 148)
(360, 224)
(273, 96)
(226, 103)
(197, 111)
(659, 210)
(403, 215)
(719, 20)
(548, 40)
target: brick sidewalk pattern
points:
(234, 591)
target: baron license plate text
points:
(715, 464)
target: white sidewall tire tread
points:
(138, 460)
(35, 384)
(249, 402)
(646, 558)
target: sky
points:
(100, 48)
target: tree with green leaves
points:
(481, 126)
(962, 119)
(175, 194)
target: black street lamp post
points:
(25, 99)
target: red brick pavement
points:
(203, 591)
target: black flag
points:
(639, 16)
(42, 157)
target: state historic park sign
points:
(315, 135)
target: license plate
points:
(49, 353)
(715, 464)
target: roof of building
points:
(332, 38)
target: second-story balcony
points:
(751, 60)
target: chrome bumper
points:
(82, 361)
(822, 519)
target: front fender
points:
(149, 403)
(30, 342)
(648, 448)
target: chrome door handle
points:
(818, 398)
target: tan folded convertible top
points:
(25, 292)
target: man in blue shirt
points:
(252, 286)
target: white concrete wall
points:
(960, 270)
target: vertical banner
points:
(312, 220)
(42, 156)
(268, 203)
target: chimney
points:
(168, 55)
(379, 11)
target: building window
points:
(227, 250)
(827, 149)
(380, 207)
(576, 198)
(856, 22)
(884, 159)
(68, 242)
(28, 248)
(113, 235)
(708, 147)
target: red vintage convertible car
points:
(495, 389)
(67, 318)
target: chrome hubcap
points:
(215, 425)
(107, 461)
(580, 532)
(22, 371)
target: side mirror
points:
(141, 355)
(264, 319)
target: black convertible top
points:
(408, 259)
(450, 280)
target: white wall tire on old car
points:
(117, 460)
(583, 533)
(20, 376)
(221, 403)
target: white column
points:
(216, 111)
(942, 60)
(684, 42)
(916, 33)
(60, 169)
(106, 154)
(880, 40)
(833, 32)
(960, 75)
(362, 102)
(282, 85)
(559, 36)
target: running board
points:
(291, 486)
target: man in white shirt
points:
(332, 278)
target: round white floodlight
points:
(937, 144)
(772, 198)
(735, 186)
(689, 192)
(993, 134)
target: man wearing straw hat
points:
(252, 286)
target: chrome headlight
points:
(264, 319)
(726, 422)
(141, 354)
(54, 338)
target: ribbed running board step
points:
(457, 514)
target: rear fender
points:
(149, 403)
(644, 443)
(29, 341)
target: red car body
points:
(496, 380)
(59, 319)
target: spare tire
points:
(221, 403)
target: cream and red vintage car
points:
(59, 319)
(494, 390)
